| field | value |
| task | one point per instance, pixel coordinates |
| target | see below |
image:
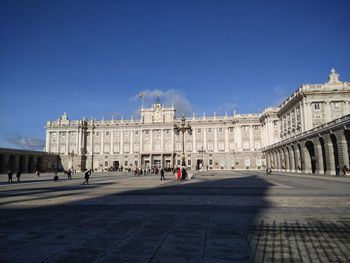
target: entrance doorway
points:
(157, 163)
(116, 165)
(199, 165)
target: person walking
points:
(184, 174)
(87, 176)
(9, 175)
(69, 173)
(162, 174)
(18, 175)
(178, 173)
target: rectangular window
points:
(317, 106)
(178, 162)
(107, 133)
(126, 163)
(210, 146)
(221, 146)
(189, 147)
(210, 130)
(97, 134)
(256, 128)
(230, 129)
(63, 134)
(220, 130)
(136, 132)
(189, 163)
(116, 148)
(210, 162)
(116, 133)
(106, 163)
(199, 131)
(146, 131)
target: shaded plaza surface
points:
(219, 216)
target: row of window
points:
(167, 131)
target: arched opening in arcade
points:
(31, 164)
(12, 163)
(323, 149)
(335, 154)
(2, 163)
(22, 164)
(39, 164)
(347, 138)
(310, 158)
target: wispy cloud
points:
(25, 142)
(167, 98)
(228, 108)
(280, 93)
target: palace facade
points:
(216, 142)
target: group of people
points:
(10, 174)
(182, 174)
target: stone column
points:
(58, 142)
(215, 139)
(131, 150)
(102, 150)
(297, 159)
(286, 158)
(112, 142)
(141, 145)
(278, 160)
(205, 139)
(343, 150)
(122, 144)
(251, 138)
(47, 142)
(329, 152)
(327, 111)
(227, 145)
(151, 142)
(67, 142)
(77, 148)
(319, 157)
(306, 159)
(194, 140)
(291, 160)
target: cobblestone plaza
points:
(219, 216)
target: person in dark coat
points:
(184, 174)
(18, 175)
(69, 173)
(87, 176)
(9, 174)
(162, 174)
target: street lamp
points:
(183, 128)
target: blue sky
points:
(91, 58)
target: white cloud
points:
(25, 142)
(167, 98)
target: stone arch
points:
(31, 164)
(12, 163)
(279, 159)
(347, 138)
(22, 164)
(39, 164)
(335, 153)
(310, 157)
(2, 163)
(323, 150)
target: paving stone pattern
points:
(216, 217)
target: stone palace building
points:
(239, 141)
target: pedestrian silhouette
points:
(162, 174)
(9, 174)
(69, 173)
(87, 176)
(18, 175)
